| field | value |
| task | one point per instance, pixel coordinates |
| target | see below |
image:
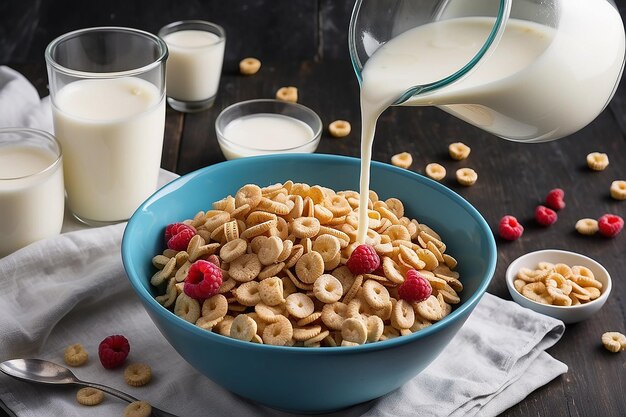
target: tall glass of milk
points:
(31, 187)
(107, 86)
(194, 66)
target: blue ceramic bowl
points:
(294, 378)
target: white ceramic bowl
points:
(571, 314)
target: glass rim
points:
(41, 134)
(220, 31)
(126, 73)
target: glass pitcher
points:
(524, 70)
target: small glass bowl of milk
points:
(265, 126)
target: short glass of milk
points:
(107, 86)
(194, 67)
(31, 188)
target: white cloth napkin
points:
(72, 289)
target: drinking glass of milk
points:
(31, 188)
(107, 86)
(194, 67)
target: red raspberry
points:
(509, 228)
(178, 235)
(113, 351)
(363, 260)
(610, 225)
(545, 216)
(554, 200)
(415, 287)
(204, 280)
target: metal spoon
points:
(45, 372)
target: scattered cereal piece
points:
(75, 355)
(587, 226)
(545, 216)
(509, 228)
(137, 374)
(138, 409)
(249, 66)
(459, 150)
(89, 396)
(597, 161)
(402, 160)
(289, 94)
(466, 176)
(554, 199)
(610, 225)
(339, 128)
(618, 189)
(435, 171)
(113, 351)
(614, 341)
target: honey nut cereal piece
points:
(278, 333)
(345, 277)
(458, 150)
(245, 268)
(339, 128)
(391, 270)
(243, 328)
(429, 258)
(375, 327)
(270, 314)
(274, 207)
(402, 160)
(159, 261)
(430, 309)
(240, 212)
(299, 284)
(597, 161)
(214, 307)
(225, 204)
(299, 305)
(271, 291)
(466, 176)
(587, 226)
(348, 343)
(138, 409)
(89, 396)
(309, 267)
(574, 298)
(256, 243)
(249, 66)
(231, 230)
(412, 259)
(286, 252)
(307, 244)
(435, 171)
(586, 281)
(327, 289)
(614, 341)
(593, 292)
(354, 330)
(529, 275)
(215, 219)
(248, 194)
(398, 232)
(323, 214)
(289, 94)
(258, 229)
(402, 316)
(333, 263)
(420, 323)
(344, 239)
(618, 189)
(389, 332)
(309, 319)
(207, 324)
(227, 285)
(271, 270)
(75, 355)
(170, 295)
(301, 334)
(304, 227)
(537, 291)
(233, 250)
(334, 314)
(352, 292)
(137, 374)
(375, 294)
(316, 340)
(160, 276)
(338, 205)
(187, 308)
(559, 297)
(270, 250)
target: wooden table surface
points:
(513, 179)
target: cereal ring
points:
(354, 330)
(289, 94)
(89, 396)
(316, 340)
(225, 204)
(593, 292)
(247, 294)
(597, 161)
(375, 327)
(327, 289)
(187, 308)
(299, 305)
(466, 176)
(270, 250)
(249, 66)
(215, 307)
(215, 219)
(278, 333)
(137, 374)
(75, 355)
(245, 268)
(435, 171)
(323, 214)
(519, 284)
(138, 409)
(271, 291)
(428, 258)
(614, 341)
(170, 295)
(243, 328)
(160, 276)
(223, 327)
(587, 226)
(270, 314)
(339, 128)
(258, 229)
(402, 160)
(309, 319)
(529, 275)
(271, 270)
(402, 316)
(249, 194)
(412, 258)
(231, 230)
(310, 267)
(304, 227)
(233, 250)
(618, 189)
(354, 289)
(390, 269)
(537, 291)
(559, 297)
(227, 285)
(430, 309)
(338, 205)
(301, 334)
(334, 314)
(458, 150)
(274, 207)
(375, 294)
(328, 246)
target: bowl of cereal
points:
(292, 325)
(565, 285)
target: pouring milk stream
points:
(536, 83)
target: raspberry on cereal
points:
(203, 280)
(509, 228)
(610, 225)
(545, 216)
(363, 260)
(415, 287)
(113, 351)
(554, 199)
(178, 235)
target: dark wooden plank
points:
(171, 141)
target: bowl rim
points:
(469, 304)
(317, 130)
(510, 277)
